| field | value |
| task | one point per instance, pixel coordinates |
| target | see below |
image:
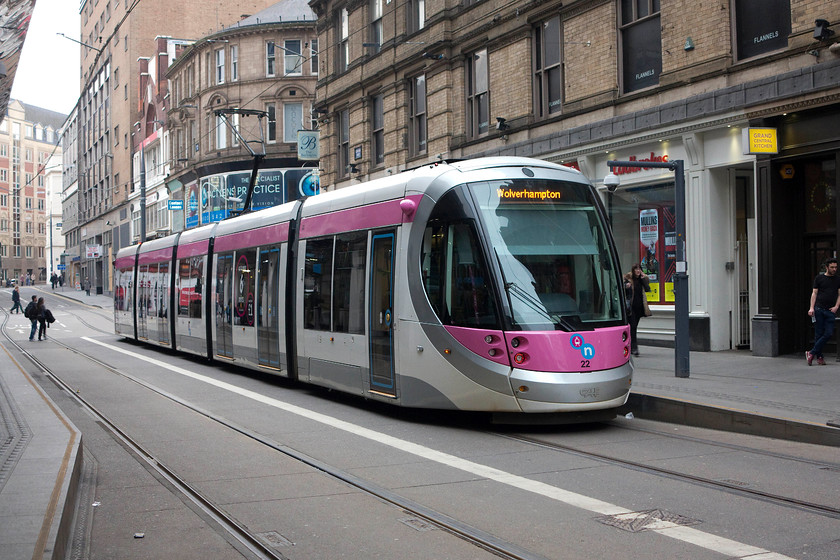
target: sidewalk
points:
(779, 397)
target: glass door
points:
(268, 327)
(224, 305)
(381, 318)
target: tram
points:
(489, 284)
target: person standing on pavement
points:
(31, 313)
(636, 286)
(16, 300)
(825, 300)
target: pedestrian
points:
(44, 317)
(16, 301)
(31, 313)
(61, 280)
(825, 299)
(636, 286)
(53, 280)
(87, 286)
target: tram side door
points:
(224, 305)
(381, 316)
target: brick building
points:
(28, 137)
(117, 33)
(248, 88)
(586, 81)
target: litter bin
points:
(99, 290)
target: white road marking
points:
(727, 547)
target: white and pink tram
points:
(488, 284)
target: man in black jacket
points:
(31, 313)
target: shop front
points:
(797, 197)
(720, 235)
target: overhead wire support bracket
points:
(258, 156)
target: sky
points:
(48, 71)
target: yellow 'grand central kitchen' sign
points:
(760, 141)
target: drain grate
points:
(275, 539)
(638, 521)
(417, 524)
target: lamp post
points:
(681, 338)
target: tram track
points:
(230, 525)
(721, 485)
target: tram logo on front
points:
(587, 351)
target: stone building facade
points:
(234, 95)
(584, 82)
(28, 138)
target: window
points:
(343, 40)
(234, 63)
(641, 44)
(4, 150)
(334, 283)
(317, 285)
(220, 66)
(271, 122)
(313, 57)
(375, 39)
(761, 26)
(28, 155)
(653, 204)
(4, 177)
(417, 115)
(292, 121)
(221, 133)
(478, 102)
(269, 59)
(378, 130)
(416, 14)
(244, 287)
(344, 143)
(455, 277)
(548, 68)
(292, 59)
(349, 301)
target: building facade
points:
(590, 81)
(28, 138)
(239, 96)
(54, 240)
(116, 34)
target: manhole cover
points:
(637, 521)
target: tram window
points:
(245, 287)
(196, 278)
(317, 284)
(183, 287)
(349, 303)
(456, 278)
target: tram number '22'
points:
(584, 364)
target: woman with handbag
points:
(636, 286)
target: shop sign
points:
(93, 251)
(621, 170)
(175, 204)
(760, 141)
(309, 145)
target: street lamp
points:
(681, 339)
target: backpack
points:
(30, 311)
(48, 316)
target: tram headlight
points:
(520, 358)
(514, 342)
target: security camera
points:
(821, 30)
(501, 123)
(611, 181)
